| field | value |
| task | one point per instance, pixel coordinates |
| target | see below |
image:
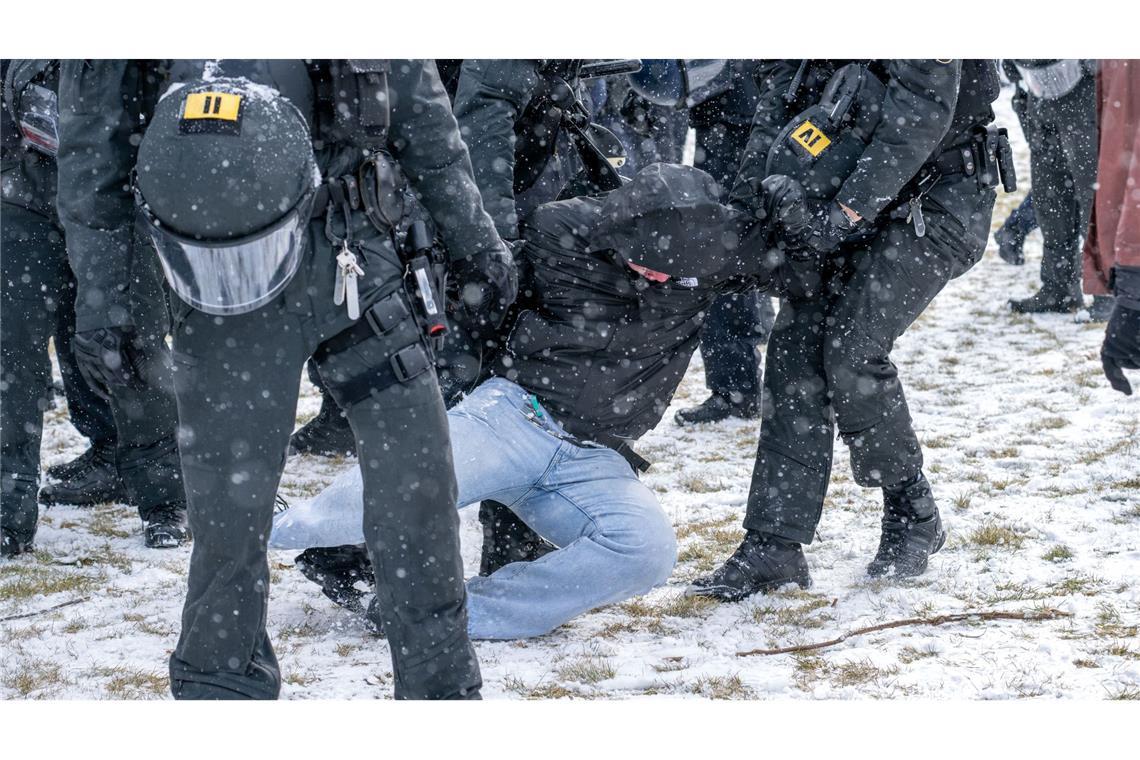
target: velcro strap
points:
(410, 361)
(387, 313)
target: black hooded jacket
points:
(603, 348)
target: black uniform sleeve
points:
(96, 155)
(773, 112)
(917, 113)
(425, 139)
(491, 97)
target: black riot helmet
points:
(679, 82)
(668, 219)
(225, 179)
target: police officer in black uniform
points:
(133, 456)
(1061, 106)
(913, 213)
(278, 220)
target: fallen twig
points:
(46, 609)
(1032, 615)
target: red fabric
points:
(1114, 230)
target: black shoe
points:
(1047, 301)
(716, 408)
(328, 434)
(507, 539)
(912, 531)
(165, 528)
(11, 545)
(68, 470)
(1101, 308)
(338, 570)
(96, 482)
(1010, 246)
(761, 563)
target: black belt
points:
(622, 447)
(340, 190)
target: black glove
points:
(482, 287)
(785, 209)
(106, 359)
(638, 113)
(827, 228)
(1121, 348)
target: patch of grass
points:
(1007, 452)
(962, 500)
(860, 672)
(1057, 553)
(132, 683)
(301, 679)
(907, 655)
(539, 691)
(1076, 584)
(344, 649)
(721, 687)
(671, 664)
(105, 523)
(1084, 662)
(1109, 623)
(795, 615)
(698, 484)
(997, 535)
(685, 606)
(588, 670)
(33, 676)
(705, 526)
(1127, 692)
(20, 582)
(1046, 423)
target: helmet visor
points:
(236, 276)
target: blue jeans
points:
(614, 540)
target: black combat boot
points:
(912, 530)
(1011, 244)
(12, 545)
(1048, 300)
(337, 570)
(164, 527)
(716, 408)
(328, 434)
(761, 563)
(94, 480)
(1101, 308)
(68, 470)
(507, 539)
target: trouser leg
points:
(146, 414)
(793, 460)
(1063, 161)
(237, 382)
(411, 527)
(91, 414)
(32, 261)
(890, 286)
(1023, 219)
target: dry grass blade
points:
(54, 607)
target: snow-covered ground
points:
(1034, 460)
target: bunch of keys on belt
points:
(344, 291)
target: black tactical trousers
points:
(237, 380)
(38, 301)
(1063, 159)
(736, 324)
(828, 364)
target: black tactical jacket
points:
(497, 101)
(930, 105)
(104, 105)
(601, 347)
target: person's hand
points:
(483, 286)
(1121, 348)
(828, 226)
(105, 358)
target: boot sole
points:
(766, 587)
